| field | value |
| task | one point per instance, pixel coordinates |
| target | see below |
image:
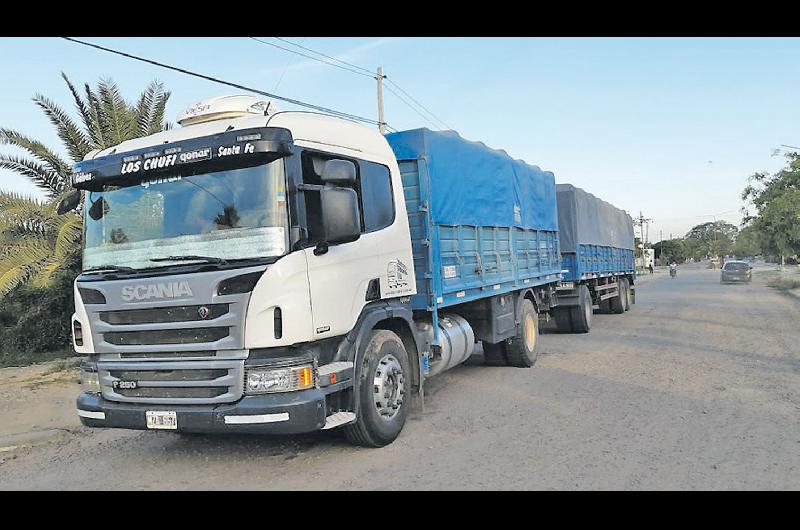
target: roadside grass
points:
(784, 284)
(776, 280)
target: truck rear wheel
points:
(582, 313)
(384, 383)
(626, 298)
(523, 348)
(617, 303)
(494, 354)
(563, 317)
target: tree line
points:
(770, 227)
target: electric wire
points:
(228, 83)
(287, 41)
(437, 122)
(312, 58)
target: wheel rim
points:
(388, 387)
(530, 332)
(588, 311)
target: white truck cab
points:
(234, 268)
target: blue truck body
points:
(482, 224)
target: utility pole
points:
(641, 221)
(381, 122)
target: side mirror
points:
(340, 172)
(69, 203)
(341, 220)
(98, 209)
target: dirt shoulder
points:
(37, 402)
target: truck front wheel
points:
(384, 385)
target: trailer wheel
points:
(617, 303)
(384, 383)
(523, 348)
(626, 296)
(582, 313)
(563, 317)
(494, 354)
(605, 306)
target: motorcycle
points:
(673, 271)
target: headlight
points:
(90, 380)
(268, 380)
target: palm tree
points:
(36, 242)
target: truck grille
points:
(166, 336)
(184, 313)
(173, 382)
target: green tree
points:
(776, 199)
(671, 249)
(37, 241)
(747, 242)
(713, 238)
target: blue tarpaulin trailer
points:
(482, 223)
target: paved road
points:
(698, 387)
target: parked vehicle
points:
(736, 271)
(597, 259)
(285, 272)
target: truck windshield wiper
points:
(114, 268)
(207, 259)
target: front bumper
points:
(285, 413)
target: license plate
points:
(161, 419)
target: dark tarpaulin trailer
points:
(596, 238)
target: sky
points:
(669, 127)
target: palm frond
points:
(37, 149)
(20, 262)
(74, 139)
(42, 176)
(144, 109)
(89, 120)
(159, 107)
(96, 113)
(120, 122)
(68, 238)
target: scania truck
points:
(259, 271)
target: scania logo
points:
(203, 312)
(156, 290)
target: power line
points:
(228, 83)
(364, 72)
(418, 103)
(370, 75)
(326, 56)
(398, 96)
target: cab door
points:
(346, 277)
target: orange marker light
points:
(333, 379)
(304, 377)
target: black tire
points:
(383, 356)
(626, 297)
(522, 349)
(605, 306)
(582, 313)
(494, 354)
(617, 303)
(563, 318)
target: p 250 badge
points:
(124, 385)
